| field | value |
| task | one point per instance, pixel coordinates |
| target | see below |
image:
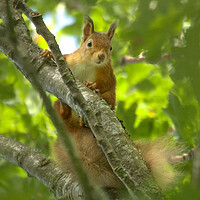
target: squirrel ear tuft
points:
(88, 27)
(112, 29)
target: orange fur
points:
(157, 155)
(91, 155)
(93, 64)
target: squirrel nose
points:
(101, 57)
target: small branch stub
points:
(35, 14)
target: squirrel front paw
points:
(92, 86)
(47, 54)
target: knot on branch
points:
(34, 14)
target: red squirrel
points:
(91, 63)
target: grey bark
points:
(37, 165)
(119, 149)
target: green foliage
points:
(18, 186)
(152, 99)
(143, 90)
(22, 118)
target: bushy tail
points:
(157, 155)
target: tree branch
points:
(108, 131)
(37, 165)
(186, 156)
(125, 60)
(89, 190)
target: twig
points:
(125, 60)
(186, 156)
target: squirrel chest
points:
(84, 72)
(81, 68)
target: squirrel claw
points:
(92, 86)
(47, 54)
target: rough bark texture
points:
(122, 155)
(37, 165)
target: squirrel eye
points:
(110, 48)
(89, 44)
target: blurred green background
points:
(154, 98)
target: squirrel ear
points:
(112, 29)
(88, 27)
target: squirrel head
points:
(96, 47)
